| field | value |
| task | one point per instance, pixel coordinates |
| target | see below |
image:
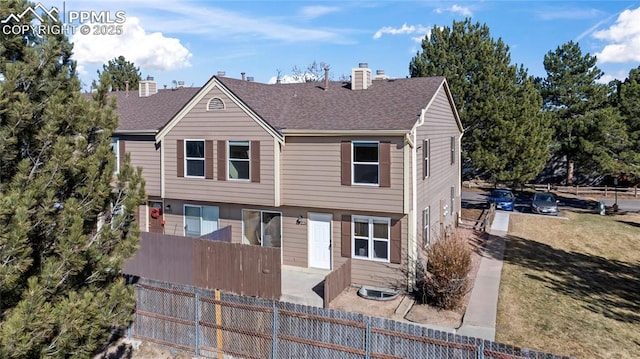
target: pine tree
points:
(627, 100)
(506, 137)
(120, 72)
(588, 130)
(60, 284)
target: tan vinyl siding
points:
(230, 123)
(145, 155)
(295, 247)
(440, 125)
(366, 272)
(311, 177)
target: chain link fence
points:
(213, 324)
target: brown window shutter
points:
(208, 159)
(385, 164)
(345, 160)
(396, 241)
(122, 151)
(345, 245)
(255, 161)
(222, 160)
(180, 158)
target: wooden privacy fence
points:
(337, 281)
(211, 324)
(233, 267)
(605, 191)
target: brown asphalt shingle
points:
(152, 112)
(393, 104)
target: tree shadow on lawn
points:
(604, 286)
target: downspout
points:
(459, 190)
(412, 245)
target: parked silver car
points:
(544, 203)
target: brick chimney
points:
(361, 77)
(147, 87)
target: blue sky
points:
(193, 40)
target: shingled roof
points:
(153, 112)
(392, 104)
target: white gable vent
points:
(215, 104)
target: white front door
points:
(319, 229)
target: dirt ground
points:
(419, 313)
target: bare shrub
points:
(442, 273)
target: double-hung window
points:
(115, 147)
(426, 235)
(366, 163)
(194, 158)
(426, 151)
(200, 220)
(371, 238)
(262, 228)
(453, 150)
(239, 160)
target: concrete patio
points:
(303, 286)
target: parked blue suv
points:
(503, 198)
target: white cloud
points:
(312, 12)
(455, 9)
(149, 51)
(624, 38)
(412, 29)
(616, 75)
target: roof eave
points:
(362, 132)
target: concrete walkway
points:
(480, 318)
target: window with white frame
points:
(371, 237)
(200, 220)
(366, 163)
(239, 160)
(426, 235)
(453, 150)
(453, 199)
(194, 158)
(115, 147)
(426, 150)
(262, 228)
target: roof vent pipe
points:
(326, 78)
(243, 75)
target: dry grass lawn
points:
(572, 287)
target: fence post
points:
(605, 190)
(481, 350)
(635, 191)
(196, 316)
(367, 339)
(274, 341)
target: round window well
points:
(377, 293)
